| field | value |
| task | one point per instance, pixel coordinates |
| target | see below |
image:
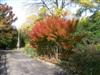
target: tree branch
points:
(63, 4)
(56, 2)
(46, 6)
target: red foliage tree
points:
(55, 29)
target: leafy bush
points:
(8, 38)
(83, 62)
(90, 27)
(30, 51)
(52, 36)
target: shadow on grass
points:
(3, 61)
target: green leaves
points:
(90, 27)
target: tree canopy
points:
(51, 5)
(7, 32)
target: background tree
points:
(26, 28)
(50, 5)
(57, 6)
(87, 5)
(8, 34)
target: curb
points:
(48, 63)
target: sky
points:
(21, 10)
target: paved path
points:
(16, 63)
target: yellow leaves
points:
(27, 26)
(61, 12)
(43, 10)
(58, 12)
(98, 1)
(84, 21)
(87, 3)
(1, 23)
(32, 18)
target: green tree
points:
(91, 5)
(90, 28)
(27, 27)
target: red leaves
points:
(52, 28)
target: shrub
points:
(53, 36)
(8, 38)
(90, 27)
(30, 51)
(85, 62)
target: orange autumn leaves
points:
(54, 29)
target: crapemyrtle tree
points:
(52, 36)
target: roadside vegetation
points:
(8, 33)
(71, 41)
